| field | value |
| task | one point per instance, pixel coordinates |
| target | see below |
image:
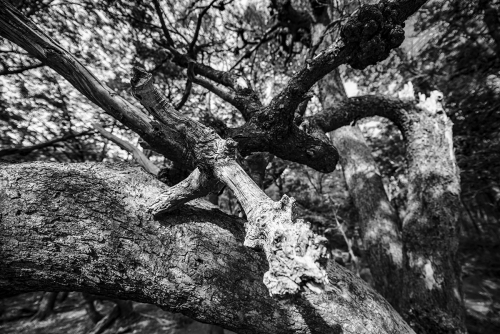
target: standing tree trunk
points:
(46, 306)
(379, 227)
(433, 302)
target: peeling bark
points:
(84, 227)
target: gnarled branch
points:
(296, 255)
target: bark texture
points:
(430, 230)
(379, 228)
(46, 306)
(379, 221)
(84, 227)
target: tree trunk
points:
(379, 228)
(46, 306)
(94, 316)
(84, 227)
(427, 290)
(433, 302)
(383, 248)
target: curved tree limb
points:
(198, 27)
(84, 227)
(355, 47)
(344, 112)
(164, 29)
(20, 70)
(137, 154)
(429, 229)
(360, 45)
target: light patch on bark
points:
(241, 82)
(449, 138)
(430, 281)
(395, 252)
(425, 267)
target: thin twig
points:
(138, 155)
(262, 41)
(28, 149)
(21, 70)
(198, 26)
(162, 22)
(185, 96)
(354, 258)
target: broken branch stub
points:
(296, 255)
(196, 185)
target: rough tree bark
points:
(84, 227)
(433, 302)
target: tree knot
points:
(376, 29)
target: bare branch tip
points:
(140, 76)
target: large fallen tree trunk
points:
(84, 227)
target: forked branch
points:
(297, 257)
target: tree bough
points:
(297, 256)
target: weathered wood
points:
(296, 255)
(138, 155)
(84, 227)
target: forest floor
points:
(481, 287)
(70, 317)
